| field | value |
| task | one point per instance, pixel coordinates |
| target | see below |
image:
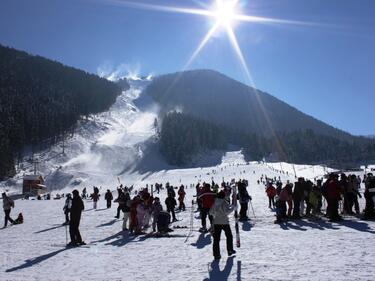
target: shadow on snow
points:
(215, 274)
(36, 260)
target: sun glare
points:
(225, 12)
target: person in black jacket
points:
(75, 218)
(121, 202)
(298, 195)
(171, 203)
(108, 197)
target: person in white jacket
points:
(220, 211)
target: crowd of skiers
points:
(337, 195)
(305, 198)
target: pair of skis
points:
(234, 202)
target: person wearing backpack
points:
(8, 204)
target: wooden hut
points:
(33, 184)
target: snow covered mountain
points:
(103, 147)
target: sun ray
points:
(202, 44)
(236, 47)
(256, 19)
(161, 8)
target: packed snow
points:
(298, 250)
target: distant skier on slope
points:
(108, 197)
(75, 218)
(220, 211)
(95, 197)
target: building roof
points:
(32, 177)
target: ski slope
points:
(298, 250)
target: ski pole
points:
(66, 234)
(251, 204)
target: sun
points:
(224, 12)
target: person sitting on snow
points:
(19, 219)
(164, 219)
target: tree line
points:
(182, 136)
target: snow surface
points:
(298, 250)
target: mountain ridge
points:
(256, 110)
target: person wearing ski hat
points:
(75, 218)
(8, 204)
(220, 211)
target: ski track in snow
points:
(299, 250)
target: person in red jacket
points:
(333, 198)
(207, 197)
(271, 193)
(181, 198)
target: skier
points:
(8, 204)
(121, 202)
(126, 211)
(181, 197)
(333, 198)
(369, 196)
(108, 197)
(297, 197)
(243, 198)
(207, 197)
(220, 211)
(271, 193)
(281, 205)
(84, 193)
(141, 210)
(156, 209)
(171, 203)
(315, 199)
(133, 225)
(95, 197)
(75, 218)
(67, 207)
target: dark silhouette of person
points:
(75, 218)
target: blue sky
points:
(326, 71)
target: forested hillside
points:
(214, 97)
(183, 136)
(41, 100)
(258, 122)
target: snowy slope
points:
(102, 147)
(299, 250)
